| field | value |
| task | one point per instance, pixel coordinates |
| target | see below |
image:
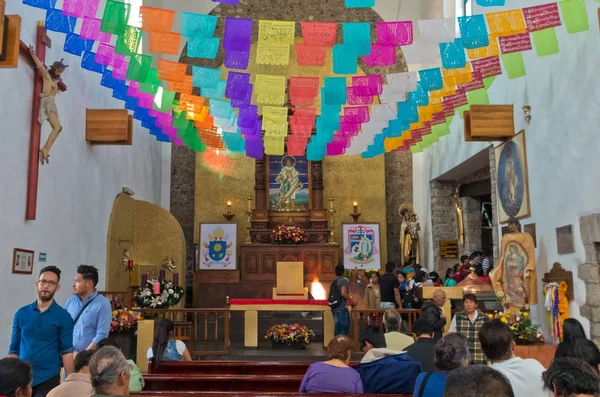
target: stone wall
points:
(443, 222)
(472, 224)
(589, 272)
(496, 241)
(398, 193)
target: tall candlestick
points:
(356, 207)
(156, 287)
(144, 279)
(176, 279)
(249, 203)
(229, 207)
(162, 274)
(330, 203)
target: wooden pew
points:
(245, 394)
(231, 383)
(232, 367)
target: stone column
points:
(398, 192)
(472, 224)
(443, 223)
(260, 184)
(317, 185)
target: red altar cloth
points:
(311, 302)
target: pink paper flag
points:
(517, 43)
(90, 30)
(381, 55)
(541, 17)
(394, 34)
(80, 8)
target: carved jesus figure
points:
(48, 110)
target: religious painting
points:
(289, 183)
(530, 228)
(218, 246)
(362, 245)
(564, 240)
(515, 262)
(512, 179)
(22, 261)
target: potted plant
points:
(523, 330)
(288, 235)
(123, 329)
(292, 335)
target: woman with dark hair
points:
(164, 348)
(15, 378)
(433, 276)
(576, 345)
(451, 352)
(449, 279)
(334, 375)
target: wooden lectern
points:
(290, 281)
(451, 293)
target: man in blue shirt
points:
(43, 335)
(93, 324)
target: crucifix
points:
(46, 83)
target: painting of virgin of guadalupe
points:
(512, 179)
(289, 179)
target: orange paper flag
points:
(171, 71)
(165, 43)
(184, 86)
(156, 19)
(506, 23)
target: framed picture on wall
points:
(564, 240)
(512, 179)
(22, 261)
(218, 246)
(362, 245)
(289, 179)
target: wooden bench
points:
(231, 383)
(244, 394)
(232, 367)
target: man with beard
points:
(43, 335)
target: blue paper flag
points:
(205, 77)
(57, 22)
(75, 45)
(234, 142)
(215, 93)
(473, 31)
(491, 3)
(148, 122)
(453, 54)
(198, 25)
(88, 63)
(357, 37)
(118, 93)
(131, 103)
(344, 60)
(334, 91)
(201, 47)
(359, 3)
(419, 97)
(431, 79)
(220, 109)
(395, 129)
(162, 137)
(330, 121)
(140, 113)
(44, 4)
(313, 153)
(108, 80)
(407, 112)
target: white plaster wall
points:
(563, 149)
(76, 190)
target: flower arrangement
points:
(523, 329)
(161, 296)
(288, 235)
(369, 272)
(290, 335)
(124, 320)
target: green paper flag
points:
(513, 64)
(151, 84)
(115, 17)
(487, 82)
(440, 129)
(545, 42)
(478, 97)
(461, 109)
(139, 66)
(574, 15)
(416, 148)
(163, 100)
(449, 120)
(128, 42)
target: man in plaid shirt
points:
(468, 323)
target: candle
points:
(249, 203)
(144, 279)
(162, 274)
(156, 287)
(176, 279)
(356, 207)
(330, 203)
(229, 207)
(130, 264)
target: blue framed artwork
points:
(289, 183)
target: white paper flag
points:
(435, 31)
(402, 82)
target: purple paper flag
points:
(237, 85)
(248, 117)
(238, 34)
(237, 59)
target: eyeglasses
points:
(48, 282)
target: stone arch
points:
(589, 272)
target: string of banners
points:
(352, 114)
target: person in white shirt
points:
(524, 375)
(394, 339)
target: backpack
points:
(409, 301)
(335, 294)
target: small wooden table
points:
(251, 307)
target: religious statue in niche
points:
(288, 183)
(48, 110)
(511, 169)
(409, 236)
(514, 278)
(169, 264)
(127, 262)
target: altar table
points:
(251, 307)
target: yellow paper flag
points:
(272, 54)
(274, 40)
(275, 121)
(269, 90)
(506, 23)
(490, 50)
(274, 145)
(392, 143)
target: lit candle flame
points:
(317, 290)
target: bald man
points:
(431, 311)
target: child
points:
(136, 381)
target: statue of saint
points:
(514, 278)
(169, 264)
(289, 182)
(409, 237)
(48, 110)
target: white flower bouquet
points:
(169, 295)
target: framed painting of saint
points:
(218, 246)
(512, 179)
(362, 245)
(289, 183)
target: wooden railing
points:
(118, 299)
(204, 331)
(360, 318)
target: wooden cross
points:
(451, 293)
(42, 41)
